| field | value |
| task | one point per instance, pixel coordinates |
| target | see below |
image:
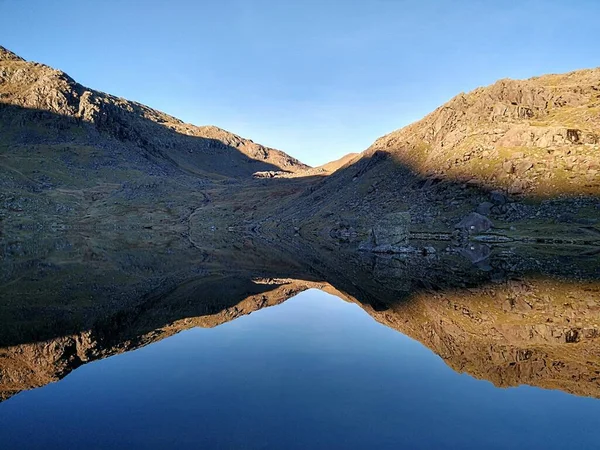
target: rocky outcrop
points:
(7, 55)
(475, 223)
(389, 234)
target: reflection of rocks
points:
(29, 366)
(386, 270)
(541, 333)
(476, 252)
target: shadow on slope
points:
(379, 191)
(120, 170)
(120, 132)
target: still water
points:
(313, 372)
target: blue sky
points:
(317, 79)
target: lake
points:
(315, 371)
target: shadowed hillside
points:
(521, 153)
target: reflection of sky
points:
(314, 372)
(317, 79)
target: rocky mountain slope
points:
(204, 150)
(537, 137)
(519, 150)
(69, 153)
(510, 152)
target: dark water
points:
(313, 372)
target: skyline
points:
(316, 81)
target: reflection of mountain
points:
(223, 299)
(67, 303)
(536, 332)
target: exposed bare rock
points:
(485, 208)
(7, 55)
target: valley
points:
(475, 231)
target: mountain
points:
(69, 154)
(537, 137)
(322, 170)
(332, 166)
(202, 150)
(515, 151)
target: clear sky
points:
(317, 79)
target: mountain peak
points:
(7, 55)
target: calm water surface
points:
(314, 372)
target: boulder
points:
(517, 187)
(389, 234)
(485, 208)
(498, 198)
(475, 223)
(523, 167)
